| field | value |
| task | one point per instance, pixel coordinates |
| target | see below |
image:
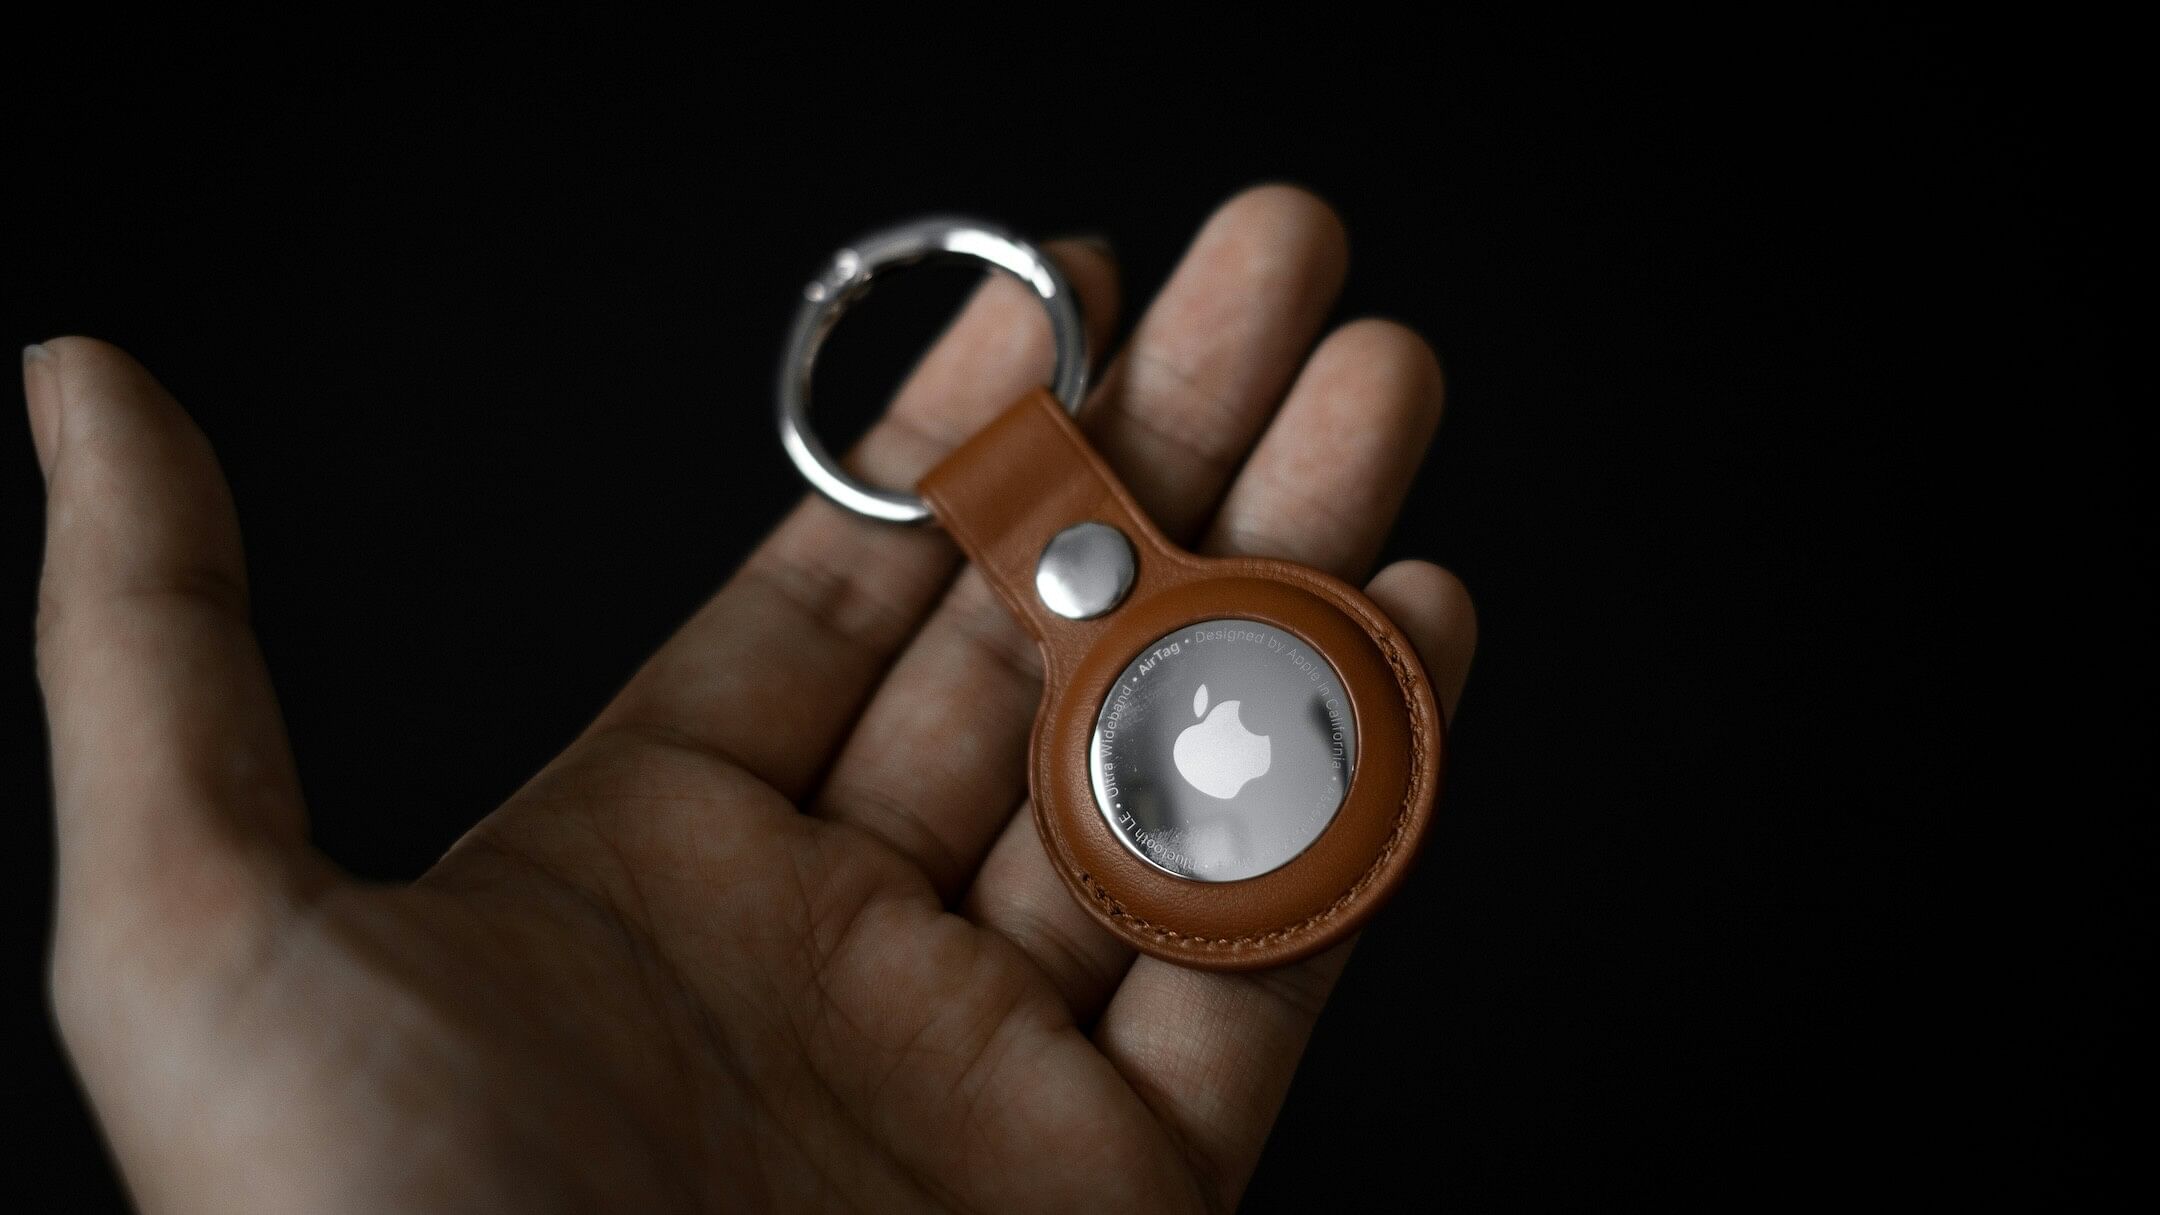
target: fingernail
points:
(41, 386)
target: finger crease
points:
(993, 632)
(900, 827)
(1220, 410)
(833, 602)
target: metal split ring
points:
(848, 276)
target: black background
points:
(1783, 851)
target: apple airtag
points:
(1223, 750)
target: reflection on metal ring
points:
(844, 280)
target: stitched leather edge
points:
(1405, 679)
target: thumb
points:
(178, 812)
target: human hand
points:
(770, 932)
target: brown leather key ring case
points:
(1030, 475)
(1195, 838)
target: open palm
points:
(770, 933)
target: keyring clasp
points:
(848, 276)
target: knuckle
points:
(1273, 535)
(835, 601)
(216, 586)
(986, 626)
(1170, 404)
(899, 825)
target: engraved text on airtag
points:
(1223, 750)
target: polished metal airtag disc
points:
(1223, 750)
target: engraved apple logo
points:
(1219, 755)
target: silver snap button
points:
(1084, 571)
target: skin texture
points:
(796, 958)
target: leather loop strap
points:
(1020, 481)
